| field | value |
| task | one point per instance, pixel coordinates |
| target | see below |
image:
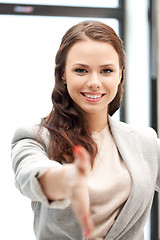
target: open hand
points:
(77, 189)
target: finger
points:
(87, 221)
(88, 226)
(80, 206)
(83, 159)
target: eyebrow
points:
(85, 65)
(80, 64)
(108, 65)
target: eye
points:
(107, 71)
(80, 70)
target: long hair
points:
(66, 125)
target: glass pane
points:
(84, 3)
(28, 46)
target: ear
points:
(120, 75)
(64, 78)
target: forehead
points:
(87, 50)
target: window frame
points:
(70, 11)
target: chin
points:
(92, 111)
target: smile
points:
(93, 96)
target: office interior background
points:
(30, 34)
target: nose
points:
(94, 82)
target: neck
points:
(96, 122)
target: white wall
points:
(137, 73)
(137, 48)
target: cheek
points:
(73, 84)
(112, 89)
(72, 89)
(112, 84)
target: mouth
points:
(93, 95)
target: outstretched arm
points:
(71, 182)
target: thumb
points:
(82, 159)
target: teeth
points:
(93, 96)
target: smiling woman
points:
(81, 168)
(80, 47)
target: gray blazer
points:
(140, 150)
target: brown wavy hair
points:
(66, 125)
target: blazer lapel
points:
(128, 145)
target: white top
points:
(109, 184)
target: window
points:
(29, 40)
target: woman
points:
(88, 176)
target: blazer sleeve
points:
(30, 161)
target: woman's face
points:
(92, 74)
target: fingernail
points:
(76, 148)
(86, 233)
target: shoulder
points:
(34, 132)
(126, 129)
(141, 131)
(131, 137)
